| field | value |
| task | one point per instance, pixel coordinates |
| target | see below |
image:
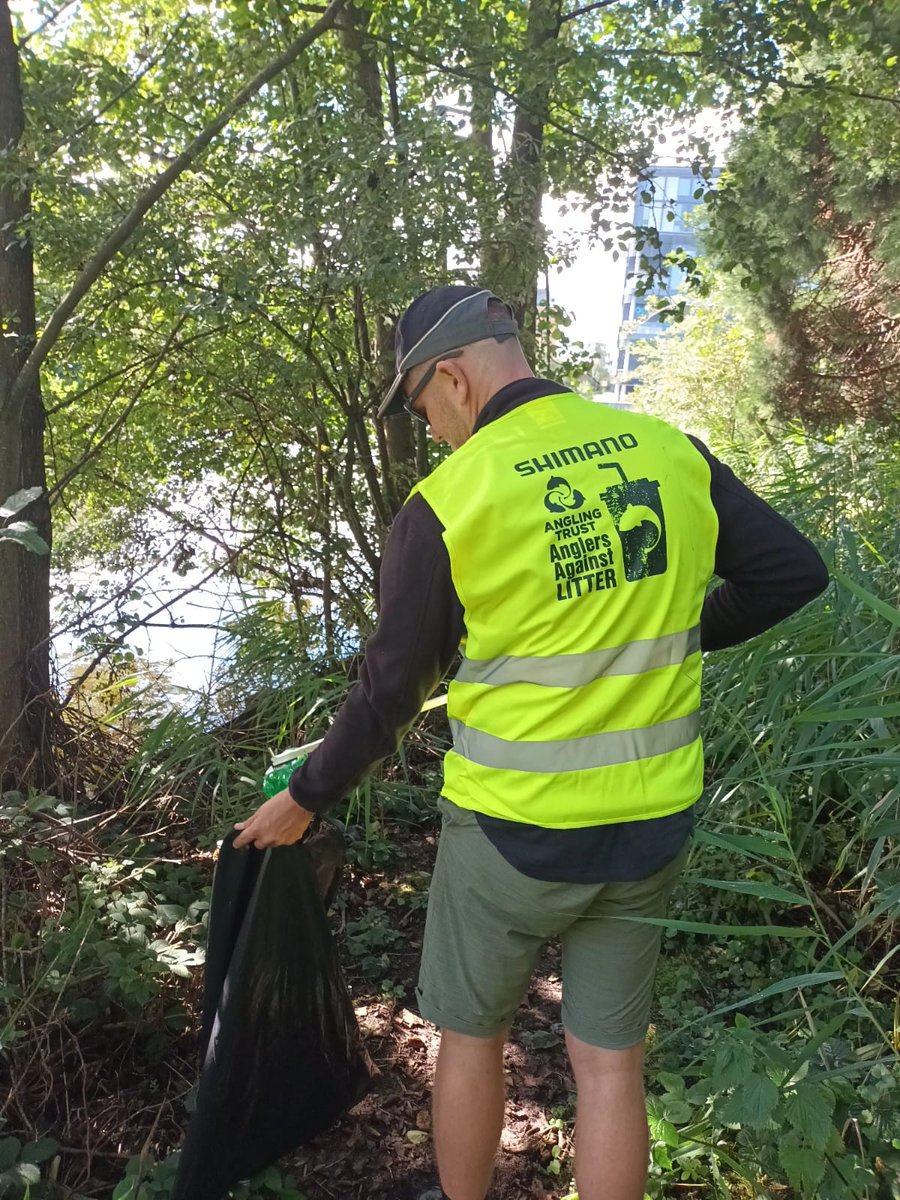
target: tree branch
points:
(124, 634)
(818, 86)
(513, 97)
(120, 235)
(54, 16)
(138, 363)
(586, 8)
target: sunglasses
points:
(417, 391)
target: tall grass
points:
(792, 898)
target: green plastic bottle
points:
(283, 766)
(277, 778)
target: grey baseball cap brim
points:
(444, 319)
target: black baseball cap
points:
(443, 319)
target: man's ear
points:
(458, 378)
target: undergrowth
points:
(773, 1059)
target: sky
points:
(590, 289)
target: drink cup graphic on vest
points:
(581, 540)
(636, 508)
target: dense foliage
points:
(209, 407)
(209, 399)
(808, 213)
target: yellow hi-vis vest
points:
(581, 540)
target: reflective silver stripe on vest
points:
(575, 754)
(575, 670)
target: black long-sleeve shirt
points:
(769, 570)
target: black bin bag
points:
(281, 1048)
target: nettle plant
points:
(758, 1109)
(113, 932)
(150, 925)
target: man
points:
(568, 546)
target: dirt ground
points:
(382, 1150)
(112, 1089)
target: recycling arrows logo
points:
(561, 496)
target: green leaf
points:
(169, 914)
(751, 887)
(786, 931)
(783, 985)
(870, 712)
(885, 610)
(124, 1189)
(676, 1110)
(661, 1156)
(808, 1109)
(272, 1179)
(19, 500)
(26, 535)
(40, 1151)
(664, 1131)
(750, 845)
(9, 1151)
(752, 1103)
(734, 1062)
(671, 1082)
(804, 1167)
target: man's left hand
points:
(279, 822)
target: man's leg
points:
(608, 966)
(611, 1138)
(467, 1102)
(484, 928)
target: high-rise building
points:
(662, 202)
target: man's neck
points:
(498, 381)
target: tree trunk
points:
(515, 260)
(480, 55)
(361, 51)
(25, 703)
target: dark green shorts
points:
(487, 922)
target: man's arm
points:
(419, 630)
(770, 569)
